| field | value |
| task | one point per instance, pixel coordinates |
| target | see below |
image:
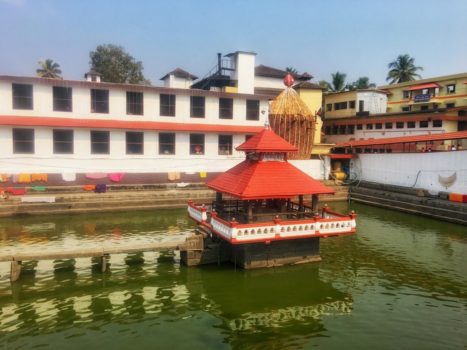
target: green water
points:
(399, 283)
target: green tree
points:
(117, 66)
(49, 69)
(402, 69)
(338, 82)
(291, 70)
(361, 83)
(324, 84)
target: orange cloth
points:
(24, 178)
(39, 177)
(89, 187)
(4, 177)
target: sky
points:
(356, 37)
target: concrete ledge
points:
(410, 201)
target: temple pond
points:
(400, 282)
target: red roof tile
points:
(267, 141)
(422, 86)
(406, 139)
(266, 179)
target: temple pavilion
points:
(267, 210)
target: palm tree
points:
(291, 70)
(49, 69)
(403, 69)
(338, 81)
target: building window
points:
(63, 141)
(406, 108)
(134, 103)
(99, 101)
(225, 108)
(329, 107)
(450, 105)
(399, 125)
(22, 96)
(424, 108)
(197, 106)
(100, 142)
(361, 105)
(335, 130)
(378, 126)
(134, 142)
(437, 123)
(352, 104)
(351, 129)
(197, 144)
(405, 94)
(359, 126)
(166, 143)
(411, 125)
(23, 140)
(369, 126)
(388, 125)
(62, 99)
(340, 105)
(252, 110)
(451, 88)
(327, 130)
(424, 123)
(225, 144)
(342, 129)
(167, 105)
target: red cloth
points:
(16, 191)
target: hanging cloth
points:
(24, 178)
(69, 177)
(39, 177)
(116, 177)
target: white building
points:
(62, 126)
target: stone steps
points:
(131, 197)
(414, 204)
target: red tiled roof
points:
(422, 86)
(266, 141)
(123, 124)
(405, 139)
(266, 179)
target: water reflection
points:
(245, 303)
(399, 283)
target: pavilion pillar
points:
(219, 205)
(249, 211)
(314, 203)
(300, 203)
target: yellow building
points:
(312, 95)
(427, 94)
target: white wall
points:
(268, 82)
(175, 82)
(245, 72)
(419, 170)
(44, 161)
(43, 107)
(374, 102)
